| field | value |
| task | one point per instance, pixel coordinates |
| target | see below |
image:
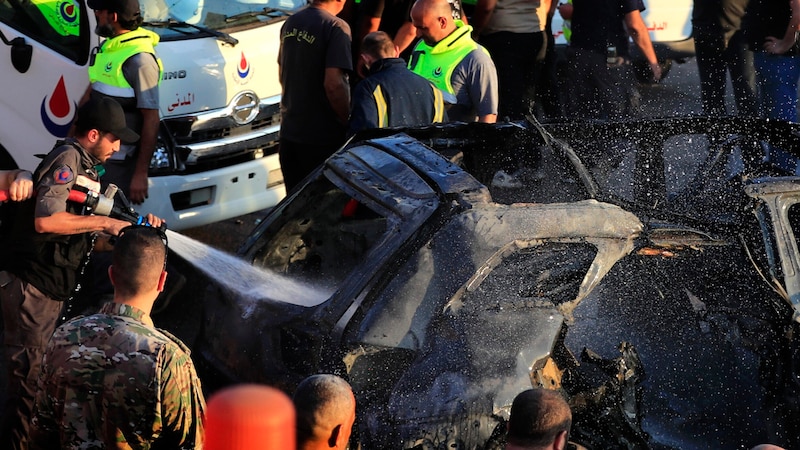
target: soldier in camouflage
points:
(113, 380)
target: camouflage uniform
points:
(112, 380)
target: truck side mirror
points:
(21, 54)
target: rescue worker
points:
(49, 244)
(392, 96)
(449, 58)
(125, 67)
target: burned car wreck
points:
(659, 293)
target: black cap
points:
(127, 10)
(105, 114)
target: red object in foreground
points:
(250, 417)
(3, 195)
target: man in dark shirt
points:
(392, 95)
(599, 73)
(315, 61)
(720, 47)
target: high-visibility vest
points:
(105, 72)
(437, 63)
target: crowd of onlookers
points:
(498, 60)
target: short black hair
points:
(537, 417)
(139, 257)
(378, 45)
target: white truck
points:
(216, 156)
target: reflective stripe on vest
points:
(438, 105)
(380, 104)
(105, 73)
(436, 64)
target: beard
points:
(104, 30)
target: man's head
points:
(114, 16)
(540, 419)
(377, 45)
(138, 265)
(433, 19)
(100, 126)
(332, 6)
(326, 411)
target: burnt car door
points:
(328, 239)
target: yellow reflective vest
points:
(105, 73)
(437, 63)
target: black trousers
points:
(519, 59)
(29, 319)
(597, 89)
(299, 160)
(715, 59)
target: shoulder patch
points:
(63, 174)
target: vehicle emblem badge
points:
(245, 107)
(57, 110)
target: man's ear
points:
(111, 274)
(336, 434)
(161, 280)
(560, 443)
(93, 135)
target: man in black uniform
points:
(599, 73)
(314, 63)
(50, 241)
(721, 47)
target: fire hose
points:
(103, 205)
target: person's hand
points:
(777, 46)
(22, 186)
(154, 221)
(656, 69)
(137, 192)
(114, 226)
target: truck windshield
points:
(189, 17)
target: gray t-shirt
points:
(474, 81)
(142, 73)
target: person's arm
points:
(337, 90)
(641, 37)
(67, 223)
(137, 192)
(143, 73)
(19, 184)
(780, 46)
(364, 114)
(482, 15)
(405, 36)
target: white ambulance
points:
(219, 97)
